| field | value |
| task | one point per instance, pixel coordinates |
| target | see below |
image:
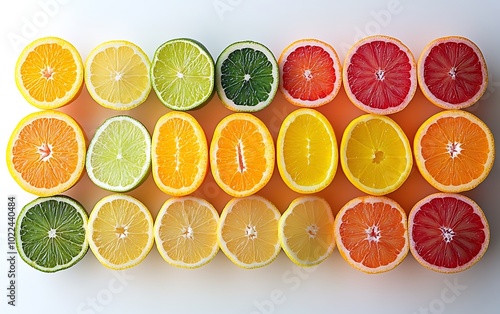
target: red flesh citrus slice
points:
(310, 73)
(448, 232)
(452, 72)
(380, 75)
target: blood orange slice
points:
(448, 232)
(310, 73)
(452, 72)
(380, 75)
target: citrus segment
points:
(50, 233)
(49, 72)
(306, 151)
(46, 153)
(448, 232)
(119, 154)
(120, 231)
(246, 76)
(179, 154)
(242, 154)
(182, 74)
(375, 154)
(454, 150)
(305, 231)
(310, 73)
(452, 72)
(117, 75)
(186, 232)
(371, 233)
(380, 75)
(248, 231)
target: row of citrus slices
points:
(379, 74)
(445, 232)
(46, 155)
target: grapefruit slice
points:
(380, 75)
(452, 72)
(448, 232)
(310, 73)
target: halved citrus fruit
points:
(49, 72)
(454, 150)
(305, 231)
(448, 232)
(119, 154)
(50, 233)
(452, 72)
(182, 74)
(375, 154)
(306, 151)
(179, 154)
(117, 75)
(380, 74)
(371, 233)
(242, 154)
(310, 73)
(186, 232)
(46, 153)
(120, 231)
(248, 231)
(246, 76)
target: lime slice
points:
(182, 74)
(50, 233)
(246, 76)
(119, 154)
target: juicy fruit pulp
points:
(448, 232)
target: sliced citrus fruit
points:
(371, 233)
(452, 72)
(242, 154)
(454, 150)
(117, 75)
(120, 231)
(375, 154)
(50, 233)
(448, 232)
(46, 153)
(49, 72)
(310, 73)
(248, 231)
(306, 151)
(182, 74)
(246, 76)
(119, 154)
(179, 154)
(186, 232)
(380, 75)
(305, 231)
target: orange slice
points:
(179, 153)
(454, 150)
(380, 75)
(46, 153)
(371, 233)
(310, 73)
(452, 72)
(307, 152)
(242, 154)
(49, 72)
(448, 232)
(248, 231)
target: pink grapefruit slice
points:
(380, 75)
(452, 72)
(448, 232)
(310, 73)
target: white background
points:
(221, 287)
